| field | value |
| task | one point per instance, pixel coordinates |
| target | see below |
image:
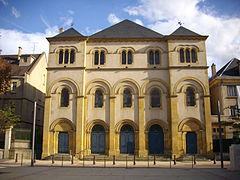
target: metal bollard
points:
(35, 157)
(72, 159)
(170, 161)
(194, 159)
(52, 159)
(94, 159)
(214, 159)
(16, 158)
(126, 162)
(174, 160)
(3, 155)
(104, 161)
(148, 161)
(114, 160)
(154, 159)
(83, 161)
(134, 159)
(62, 161)
(22, 160)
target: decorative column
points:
(174, 125)
(46, 126)
(111, 128)
(141, 138)
(208, 126)
(7, 145)
(80, 125)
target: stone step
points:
(60, 157)
(189, 157)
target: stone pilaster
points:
(112, 128)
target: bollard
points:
(194, 159)
(214, 159)
(16, 160)
(170, 161)
(72, 159)
(134, 159)
(126, 162)
(22, 160)
(94, 160)
(174, 160)
(62, 161)
(114, 160)
(154, 159)
(148, 161)
(52, 159)
(35, 157)
(83, 161)
(3, 155)
(104, 161)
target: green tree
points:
(5, 76)
(8, 117)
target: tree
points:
(8, 118)
(5, 76)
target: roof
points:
(182, 31)
(232, 68)
(14, 62)
(126, 29)
(69, 33)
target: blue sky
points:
(26, 23)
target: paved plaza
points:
(44, 170)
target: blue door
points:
(63, 142)
(127, 140)
(98, 140)
(191, 143)
(155, 140)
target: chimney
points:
(61, 30)
(19, 52)
(214, 72)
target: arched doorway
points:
(127, 140)
(63, 142)
(98, 140)
(191, 143)
(155, 140)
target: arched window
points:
(157, 57)
(190, 96)
(60, 60)
(96, 58)
(187, 56)
(181, 55)
(64, 97)
(127, 98)
(66, 57)
(155, 98)
(72, 56)
(102, 57)
(98, 99)
(124, 57)
(151, 57)
(194, 56)
(129, 57)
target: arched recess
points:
(147, 85)
(119, 50)
(126, 83)
(92, 85)
(67, 82)
(199, 86)
(147, 49)
(166, 132)
(177, 48)
(62, 136)
(91, 51)
(121, 123)
(89, 128)
(56, 50)
(194, 128)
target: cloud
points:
(71, 12)
(113, 19)
(15, 12)
(5, 2)
(224, 40)
(12, 39)
(138, 21)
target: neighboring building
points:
(126, 90)
(28, 83)
(225, 87)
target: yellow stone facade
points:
(83, 78)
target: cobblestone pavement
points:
(44, 170)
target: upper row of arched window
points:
(66, 56)
(187, 55)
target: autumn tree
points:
(5, 76)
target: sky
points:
(27, 23)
